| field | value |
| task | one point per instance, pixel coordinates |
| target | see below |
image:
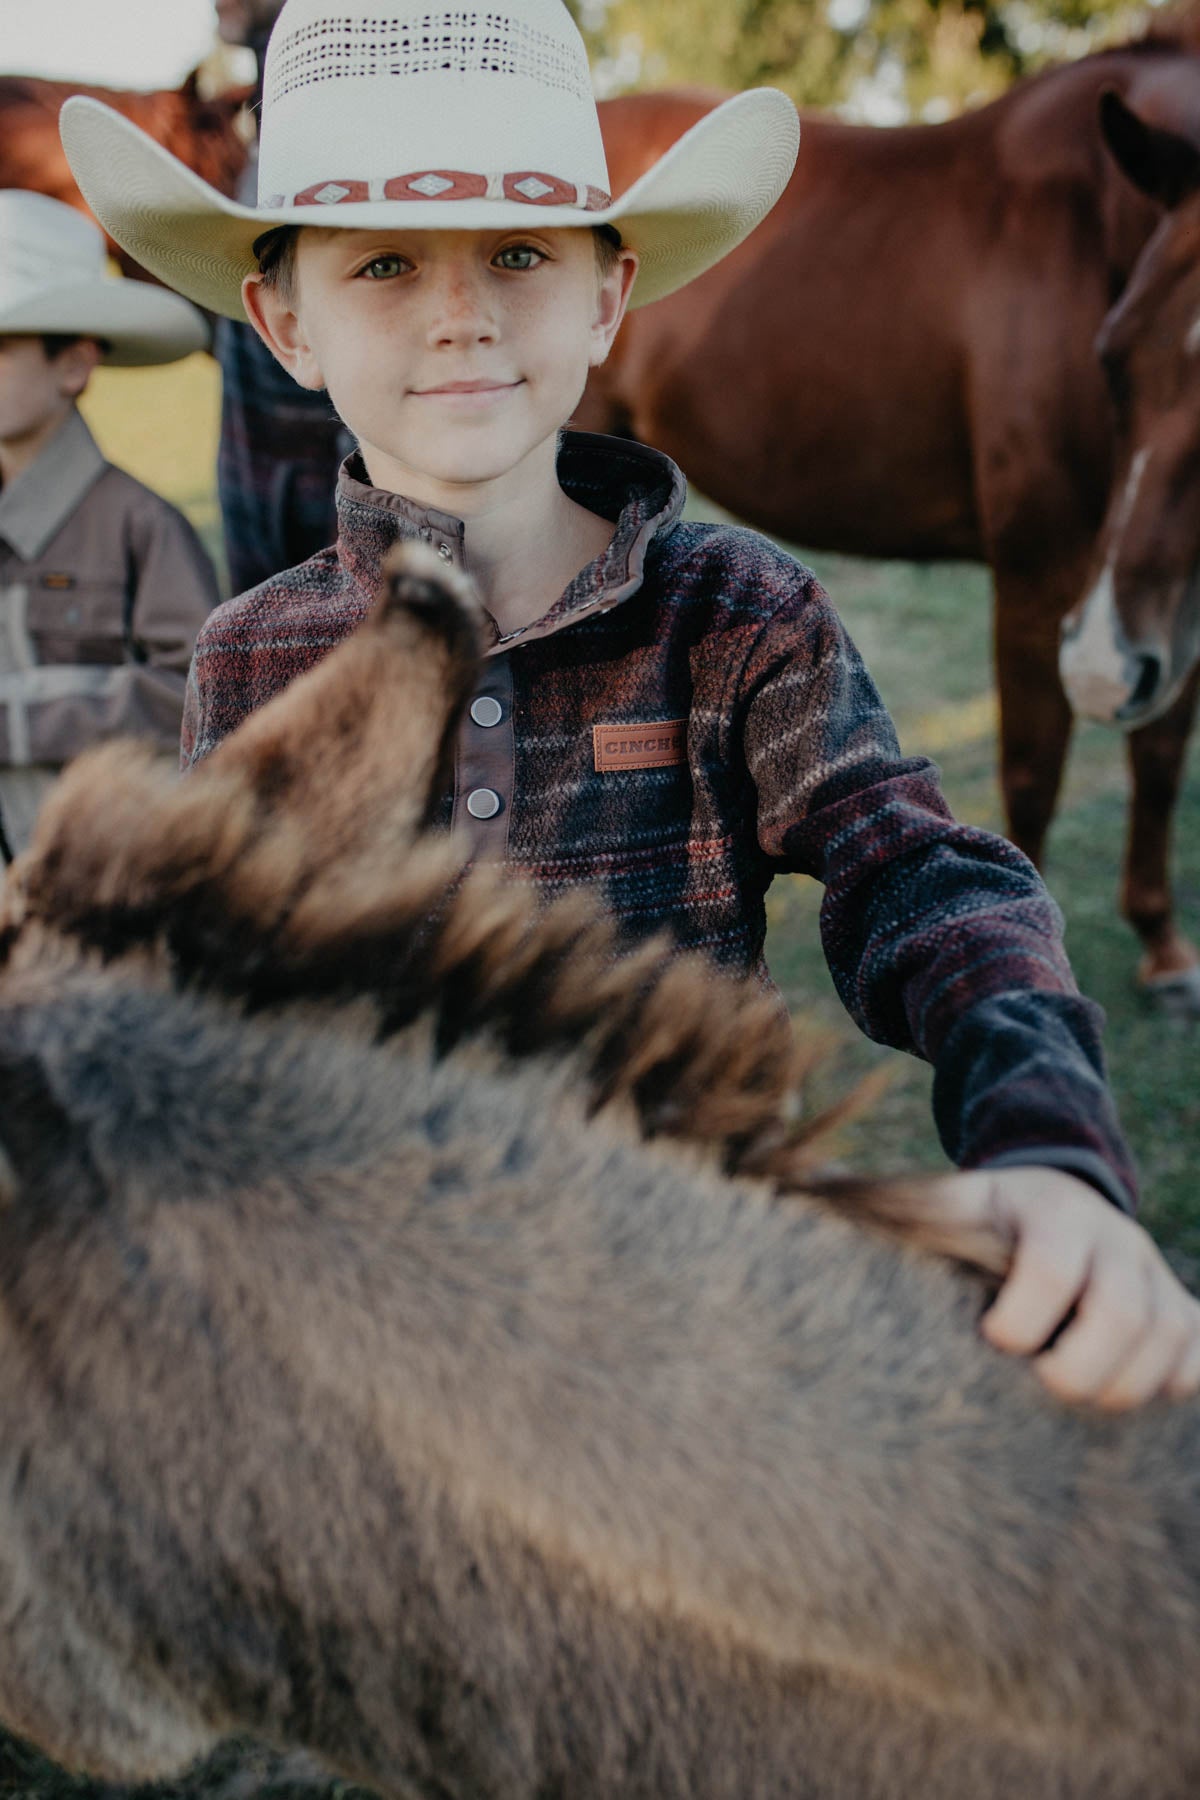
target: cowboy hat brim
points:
(694, 205)
(139, 324)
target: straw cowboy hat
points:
(385, 113)
(53, 279)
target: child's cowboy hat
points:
(386, 113)
(53, 281)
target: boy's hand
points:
(1135, 1333)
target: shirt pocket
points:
(83, 622)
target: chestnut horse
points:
(202, 133)
(901, 362)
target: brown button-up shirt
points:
(103, 587)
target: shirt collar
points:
(35, 507)
(640, 489)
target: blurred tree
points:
(887, 60)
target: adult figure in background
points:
(280, 443)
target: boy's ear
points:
(278, 324)
(612, 300)
(74, 366)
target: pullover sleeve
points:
(941, 938)
(112, 660)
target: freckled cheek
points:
(556, 349)
(363, 369)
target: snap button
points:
(445, 552)
(482, 803)
(486, 711)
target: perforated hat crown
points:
(378, 113)
(489, 95)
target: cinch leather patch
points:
(653, 746)
(58, 581)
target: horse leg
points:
(1169, 972)
(1035, 719)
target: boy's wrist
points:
(1020, 1081)
(1071, 1159)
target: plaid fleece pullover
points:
(689, 719)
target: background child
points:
(670, 709)
(103, 585)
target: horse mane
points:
(1172, 27)
(233, 898)
(227, 909)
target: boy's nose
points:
(460, 311)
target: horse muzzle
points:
(1104, 676)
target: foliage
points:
(883, 61)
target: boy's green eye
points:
(519, 256)
(382, 268)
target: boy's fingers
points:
(1113, 1318)
(1048, 1273)
(1184, 1380)
(1135, 1333)
(1161, 1352)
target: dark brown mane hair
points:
(1172, 27)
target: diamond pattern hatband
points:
(531, 187)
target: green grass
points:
(924, 631)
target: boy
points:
(671, 709)
(103, 585)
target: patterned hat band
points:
(530, 187)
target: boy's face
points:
(453, 356)
(37, 390)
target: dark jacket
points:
(689, 719)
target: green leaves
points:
(884, 62)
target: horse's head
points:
(1128, 645)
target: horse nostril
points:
(1149, 674)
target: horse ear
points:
(190, 88)
(1165, 166)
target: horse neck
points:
(1050, 127)
(1129, 222)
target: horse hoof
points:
(1176, 993)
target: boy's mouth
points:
(467, 387)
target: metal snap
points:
(445, 552)
(483, 803)
(486, 711)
